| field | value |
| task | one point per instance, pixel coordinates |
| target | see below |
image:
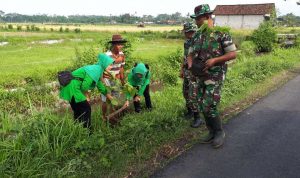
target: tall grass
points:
(248, 71)
(49, 145)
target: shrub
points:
(27, 28)
(169, 75)
(10, 27)
(61, 29)
(264, 37)
(77, 30)
(87, 57)
(170, 65)
(173, 34)
(67, 30)
(37, 29)
(32, 27)
(174, 59)
(248, 48)
(19, 27)
(51, 29)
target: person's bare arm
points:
(122, 75)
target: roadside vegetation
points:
(36, 140)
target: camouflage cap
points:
(188, 26)
(201, 10)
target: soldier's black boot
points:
(188, 114)
(210, 135)
(197, 120)
(219, 136)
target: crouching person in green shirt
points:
(85, 78)
(139, 77)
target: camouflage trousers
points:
(205, 95)
(186, 87)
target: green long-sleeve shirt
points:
(77, 88)
(141, 84)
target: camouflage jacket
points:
(211, 44)
(187, 45)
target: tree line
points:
(289, 20)
(127, 18)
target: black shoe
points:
(219, 138)
(197, 121)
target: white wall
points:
(252, 21)
(239, 21)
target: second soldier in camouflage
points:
(188, 30)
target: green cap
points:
(188, 27)
(201, 10)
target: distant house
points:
(242, 16)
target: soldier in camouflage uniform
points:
(188, 30)
(207, 61)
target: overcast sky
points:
(137, 7)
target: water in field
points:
(48, 41)
(3, 43)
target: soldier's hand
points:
(208, 64)
(189, 61)
(137, 99)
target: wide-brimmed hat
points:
(201, 10)
(117, 39)
(189, 27)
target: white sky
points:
(117, 7)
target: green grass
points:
(153, 49)
(23, 59)
(51, 145)
(36, 142)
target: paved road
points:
(262, 142)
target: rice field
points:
(104, 28)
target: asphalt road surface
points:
(261, 142)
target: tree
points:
(1, 13)
(264, 37)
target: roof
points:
(244, 9)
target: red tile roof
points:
(244, 9)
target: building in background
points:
(243, 16)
